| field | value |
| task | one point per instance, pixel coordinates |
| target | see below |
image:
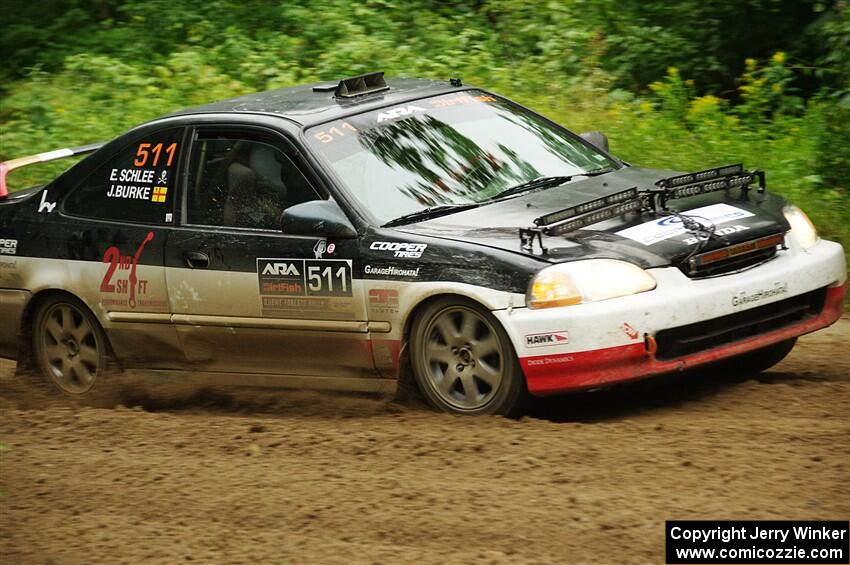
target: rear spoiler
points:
(9, 166)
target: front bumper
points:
(613, 340)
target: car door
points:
(245, 296)
(110, 233)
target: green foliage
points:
(681, 85)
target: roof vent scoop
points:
(360, 85)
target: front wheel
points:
(463, 360)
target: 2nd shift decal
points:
(116, 283)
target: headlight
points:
(586, 281)
(802, 227)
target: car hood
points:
(646, 239)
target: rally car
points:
(360, 233)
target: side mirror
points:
(596, 138)
(317, 217)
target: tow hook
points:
(650, 344)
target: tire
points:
(464, 362)
(71, 350)
(763, 359)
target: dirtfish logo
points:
(284, 269)
(394, 113)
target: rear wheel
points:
(70, 347)
(763, 359)
(463, 360)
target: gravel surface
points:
(243, 476)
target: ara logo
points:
(544, 339)
(398, 112)
(721, 231)
(281, 269)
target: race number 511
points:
(147, 151)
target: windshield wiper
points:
(546, 182)
(595, 172)
(428, 213)
(539, 182)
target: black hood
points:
(497, 225)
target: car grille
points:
(686, 340)
(732, 258)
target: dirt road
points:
(248, 477)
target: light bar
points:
(735, 250)
(708, 174)
(596, 217)
(586, 207)
(732, 181)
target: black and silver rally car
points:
(350, 235)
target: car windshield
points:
(458, 148)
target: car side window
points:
(244, 183)
(136, 184)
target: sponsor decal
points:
(131, 286)
(391, 271)
(398, 112)
(304, 307)
(383, 300)
(320, 248)
(285, 269)
(550, 360)
(629, 330)
(304, 277)
(459, 99)
(8, 246)
(650, 233)
(331, 248)
(383, 356)
(168, 217)
(400, 248)
(546, 339)
(44, 205)
(163, 177)
(720, 231)
(743, 297)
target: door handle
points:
(197, 260)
